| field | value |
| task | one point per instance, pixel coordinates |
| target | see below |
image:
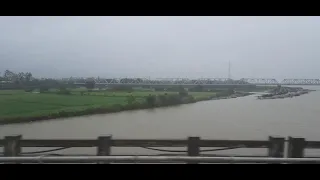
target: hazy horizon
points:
(193, 47)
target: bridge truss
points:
(260, 81)
(301, 82)
(157, 81)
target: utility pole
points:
(229, 71)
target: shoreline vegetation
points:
(30, 106)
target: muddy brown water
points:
(241, 118)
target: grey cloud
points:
(278, 47)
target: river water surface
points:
(240, 118)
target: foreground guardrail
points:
(195, 146)
(146, 159)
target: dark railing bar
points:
(312, 144)
(89, 159)
(58, 143)
(155, 155)
(137, 143)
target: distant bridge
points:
(262, 81)
(192, 82)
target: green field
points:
(18, 103)
(30, 104)
(143, 93)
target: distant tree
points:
(122, 88)
(28, 89)
(62, 87)
(131, 99)
(90, 84)
(70, 82)
(21, 76)
(151, 100)
(162, 99)
(231, 91)
(198, 88)
(63, 90)
(28, 76)
(182, 91)
(174, 99)
(7, 75)
(44, 88)
(1, 77)
(10, 76)
(158, 89)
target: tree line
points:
(25, 80)
(9, 76)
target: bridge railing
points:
(195, 147)
(153, 159)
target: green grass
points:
(139, 93)
(17, 104)
(125, 94)
(199, 95)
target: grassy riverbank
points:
(17, 106)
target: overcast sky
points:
(269, 47)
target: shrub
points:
(165, 100)
(151, 100)
(174, 99)
(198, 88)
(131, 106)
(44, 89)
(131, 99)
(191, 99)
(116, 108)
(28, 90)
(122, 88)
(224, 93)
(159, 89)
(64, 91)
(162, 100)
(183, 92)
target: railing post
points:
(12, 146)
(104, 146)
(193, 147)
(296, 147)
(276, 147)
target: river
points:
(240, 118)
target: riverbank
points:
(25, 107)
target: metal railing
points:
(153, 159)
(14, 152)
